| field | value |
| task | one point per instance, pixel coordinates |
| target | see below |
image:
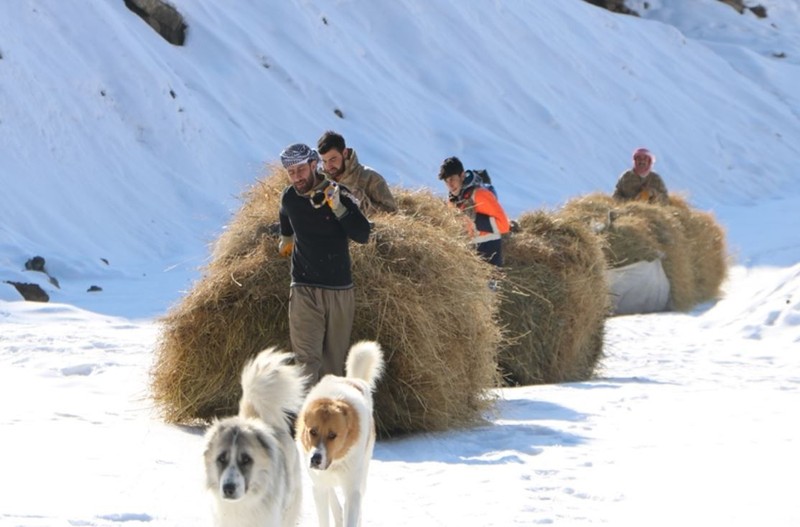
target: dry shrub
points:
(421, 292)
(689, 242)
(554, 301)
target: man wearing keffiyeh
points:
(640, 183)
(317, 219)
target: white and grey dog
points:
(252, 465)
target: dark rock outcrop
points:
(30, 292)
(162, 17)
(35, 264)
(615, 6)
(618, 6)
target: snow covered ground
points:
(691, 420)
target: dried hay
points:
(421, 291)
(235, 310)
(708, 254)
(689, 242)
(554, 301)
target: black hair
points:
(330, 140)
(450, 166)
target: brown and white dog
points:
(336, 434)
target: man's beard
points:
(336, 174)
(304, 187)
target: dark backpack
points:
(478, 178)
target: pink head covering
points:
(642, 171)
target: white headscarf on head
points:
(297, 154)
(643, 152)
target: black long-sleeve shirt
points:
(321, 256)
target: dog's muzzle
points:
(229, 491)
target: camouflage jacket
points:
(631, 186)
(367, 185)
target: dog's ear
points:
(266, 441)
(211, 434)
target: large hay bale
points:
(689, 243)
(421, 292)
(660, 226)
(707, 250)
(236, 309)
(554, 301)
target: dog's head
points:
(327, 430)
(238, 455)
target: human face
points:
(303, 176)
(333, 163)
(641, 164)
(453, 183)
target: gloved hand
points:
(285, 246)
(334, 200)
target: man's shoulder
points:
(483, 192)
(361, 170)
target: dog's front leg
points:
(322, 499)
(352, 508)
(336, 508)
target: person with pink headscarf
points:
(641, 183)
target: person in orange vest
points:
(488, 219)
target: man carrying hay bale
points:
(317, 218)
(340, 164)
(640, 183)
(488, 219)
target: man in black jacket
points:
(318, 218)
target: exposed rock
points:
(618, 6)
(30, 292)
(738, 5)
(615, 6)
(162, 17)
(759, 10)
(35, 264)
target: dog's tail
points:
(271, 387)
(365, 362)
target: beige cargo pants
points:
(320, 322)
